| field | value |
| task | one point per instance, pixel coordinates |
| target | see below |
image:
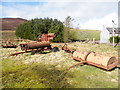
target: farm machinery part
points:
(8, 44)
(66, 49)
(46, 37)
(92, 58)
(35, 45)
(38, 46)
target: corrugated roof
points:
(117, 30)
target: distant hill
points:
(11, 23)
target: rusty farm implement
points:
(89, 58)
(8, 44)
(92, 58)
(38, 46)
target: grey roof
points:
(110, 29)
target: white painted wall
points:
(104, 35)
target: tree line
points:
(35, 27)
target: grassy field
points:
(79, 34)
(49, 70)
(86, 34)
(8, 35)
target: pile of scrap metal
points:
(8, 44)
(92, 58)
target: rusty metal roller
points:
(99, 60)
(34, 45)
(81, 55)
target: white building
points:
(116, 31)
(106, 33)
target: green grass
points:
(86, 34)
(39, 75)
(105, 49)
(8, 35)
(92, 77)
(50, 70)
(78, 34)
(89, 34)
(19, 75)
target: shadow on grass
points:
(52, 77)
(37, 75)
(42, 52)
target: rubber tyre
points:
(55, 49)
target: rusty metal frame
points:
(31, 50)
(109, 67)
(9, 46)
(15, 54)
(65, 48)
(46, 37)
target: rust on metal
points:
(92, 58)
(106, 62)
(44, 41)
(109, 67)
(66, 49)
(8, 44)
(83, 62)
(35, 45)
(15, 54)
(32, 50)
(46, 37)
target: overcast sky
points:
(87, 14)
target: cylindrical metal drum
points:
(37, 45)
(98, 60)
(101, 59)
(81, 55)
